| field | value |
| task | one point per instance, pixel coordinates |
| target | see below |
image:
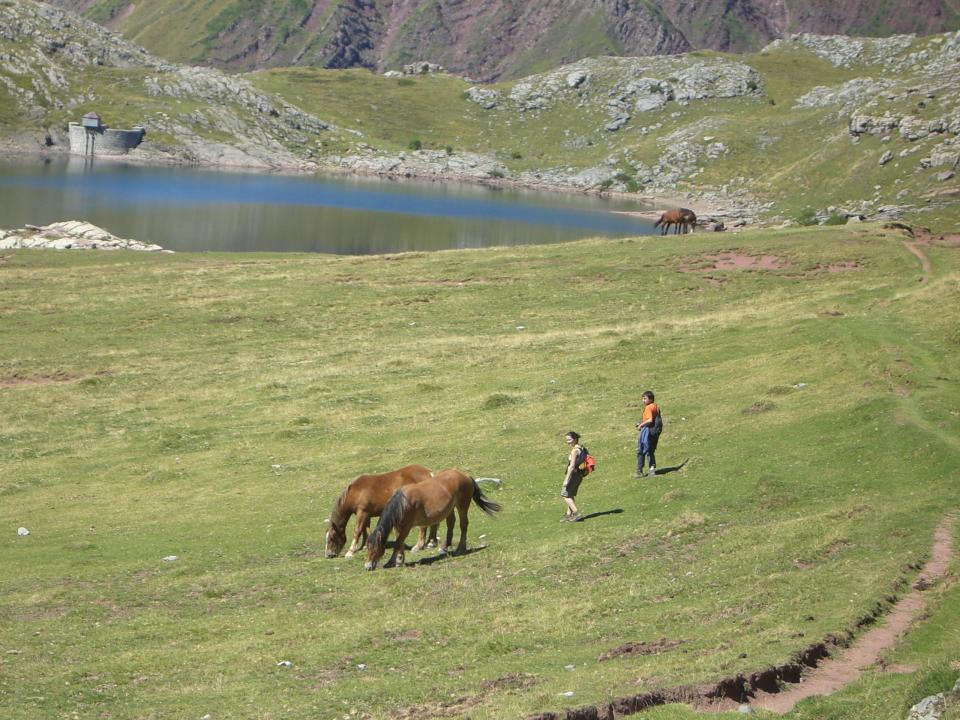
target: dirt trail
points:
(924, 260)
(833, 674)
(813, 671)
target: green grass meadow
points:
(212, 407)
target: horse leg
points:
(421, 540)
(432, 538)
(359, 533)
(449, 536)
(399, 547)
(464, 522)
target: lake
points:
(191, 209)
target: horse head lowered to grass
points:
(366, 496)
(427, 503)
(682, 219)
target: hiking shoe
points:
(653, 471)
(575, 518)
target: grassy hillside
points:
(212, 408)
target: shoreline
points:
(650, 205)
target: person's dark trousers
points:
(646, 449)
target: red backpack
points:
(589, 463)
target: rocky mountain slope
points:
(811, 127)
(486, 39)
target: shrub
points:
(449, 149)
(495, 173)
(807, 216)
(836, 219)
(632, 186)
(516, 155)
(406, 82)
(498, 400)
(623, 177)
(414, 144)
(606, 183)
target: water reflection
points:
(191, 209)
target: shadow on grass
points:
(615, 511)
(667, 470)
(443, 556)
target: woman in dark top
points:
(573, 477)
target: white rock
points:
(170, 558)
(22, 532)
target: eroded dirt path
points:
(835, 673)
(924, 260)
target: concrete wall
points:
(106, 141)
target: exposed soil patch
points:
(16, 380)
(833, 268)
(513, 681)
(735, 261)
(759, 407)
(450, 708)
(824, 667)
(639, 649)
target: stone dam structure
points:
(91, 137)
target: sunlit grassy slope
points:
(212, 407)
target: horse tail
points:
(484, 503)
(392, 513)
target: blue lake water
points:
(190, 209)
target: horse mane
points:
(339, 516)
(391, 516)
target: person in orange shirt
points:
(649, 427)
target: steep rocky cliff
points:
(487, 39)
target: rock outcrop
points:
(70, 235)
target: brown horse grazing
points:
(366, 496)
(426, 503)
(682, 219)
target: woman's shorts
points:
(572, 487)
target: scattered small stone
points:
(568, 694)
(944, 176)
(22, 532)
(800, 386)
(362, 666)
(284, 663)
(569, 667)
(745, 709)
(886, 157)
(171, 558)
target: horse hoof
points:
(349, 553)
(370, 566)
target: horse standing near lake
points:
(427, 503)
(366, 496)
(682, 219)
